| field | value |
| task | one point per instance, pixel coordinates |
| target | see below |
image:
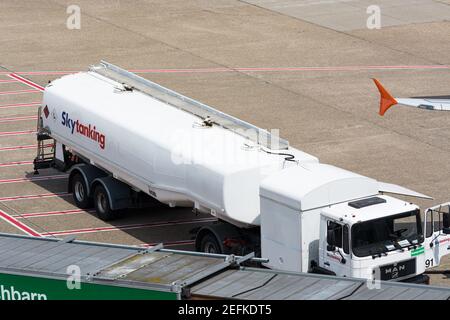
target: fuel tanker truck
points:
(126, 142)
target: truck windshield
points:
(387, 234)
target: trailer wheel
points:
(80, 193)
(102, 205)
(209, 244)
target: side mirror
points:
(331, 248)
(446, 221)
(446, 230)
(331, 237)
(421, 238)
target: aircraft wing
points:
(429, 104)
(387, 101)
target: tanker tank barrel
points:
(130, 80)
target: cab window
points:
(346, 240)
(338, 236)
(437, 220)
(429, 227)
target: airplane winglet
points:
(386, 100)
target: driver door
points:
(337, 252)
(437, 234)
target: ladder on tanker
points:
(45, 157)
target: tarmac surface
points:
(303, 67)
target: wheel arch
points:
(99, 182)
(89, 174)
(220, 230)
(118, 192)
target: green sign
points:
(417, 251)
(18, 287)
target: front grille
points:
(398, 270)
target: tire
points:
(209, 244)
(80, 193)
(102, 204)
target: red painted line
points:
(8, 81)
(16, 119)
(169, 244)
(127, 227)
(281, 69)
(345, 68)
(20, 105)
(31, 146)
(51, 213)
(15, 163)
(19, 225)
(43, 178)
(17, 133)
(199, 70)
(5, 93)
(257, 69)
(26, 81)
(38, 73)
(178, 243)
(35, 196)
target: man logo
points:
(394, 271)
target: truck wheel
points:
(209, 244)
(80, 193)
(102, 205)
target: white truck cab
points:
(333, 221)
(377, 237)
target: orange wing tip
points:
(386, 100)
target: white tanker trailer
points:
(125, 140)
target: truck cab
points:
(320, 218)
(378, 238)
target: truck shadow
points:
(158, 223)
